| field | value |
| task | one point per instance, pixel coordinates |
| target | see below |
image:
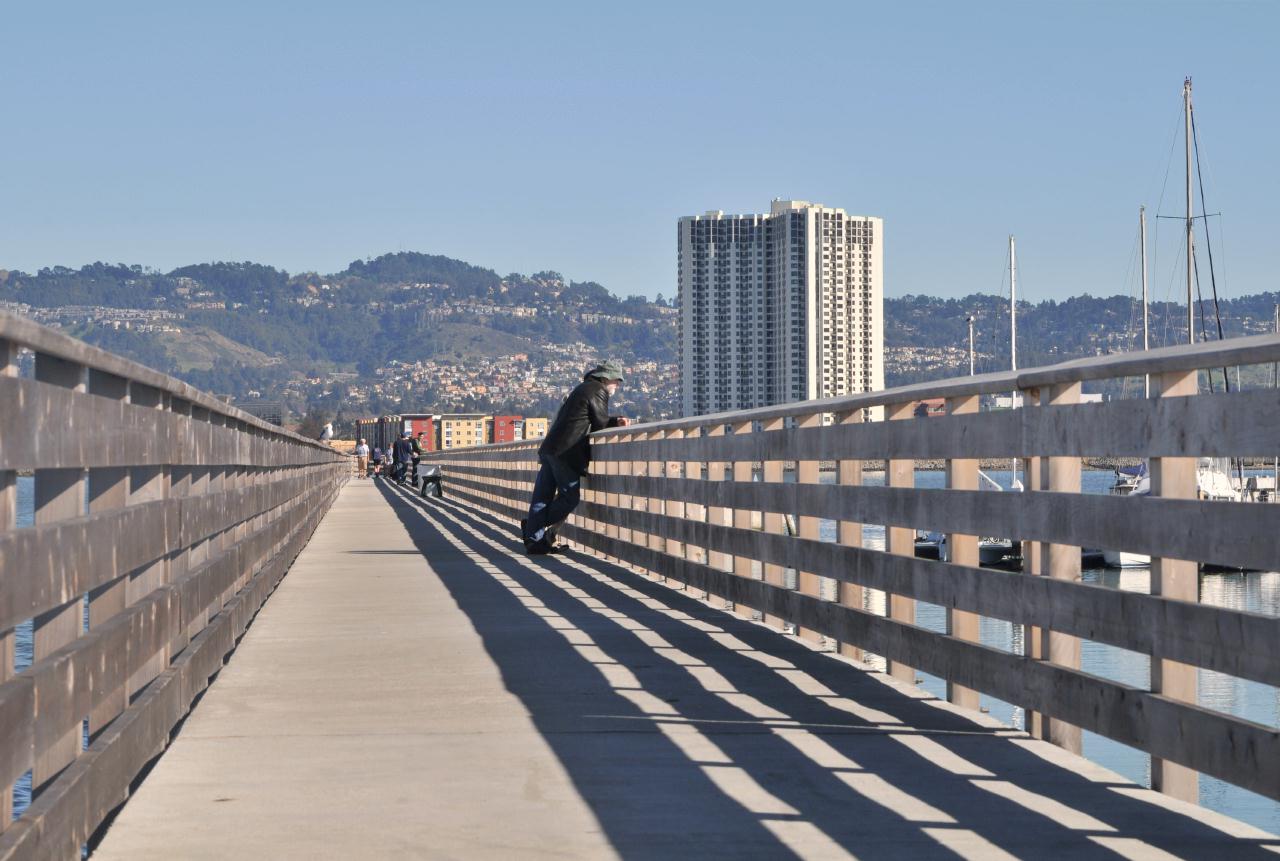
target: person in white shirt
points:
(362, 460)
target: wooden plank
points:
(980, 384)
(1226, 533)
(1254, 350)
(1174, 477)
(35, 433)
(75, 556)
(1235, 424)
(20, 331)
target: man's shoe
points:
(538, 548)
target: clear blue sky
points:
(518, 137)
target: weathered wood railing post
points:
(900, 540)
(849, 474)
(742, 517)
(808, 527)
(59, 495)
(773, 522)
(1174, 478)
(673, 469)
(108, 490)
(625, 500)
(1034, 564)
(612, 499)
(1062, 475)
(962, 474)
(696, 511)
(656, 469)
(718, 515)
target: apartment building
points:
(461, 431)
(777, 308)
(425, 424)
(534, 428)
(502, 428)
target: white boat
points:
(991, 551)
(1213, 482)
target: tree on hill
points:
(312, 423)
(239, 282)
(411, 267)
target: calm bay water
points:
(1257, 592)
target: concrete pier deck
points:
(417, 689)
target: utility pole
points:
(1191, 234)
(971, 356)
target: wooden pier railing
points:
(704, 501)
(163, 518)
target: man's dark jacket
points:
(585, 410)
(403, 451)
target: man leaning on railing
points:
(565, 454)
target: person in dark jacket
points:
(565, 454)
(403, 452)
(417, 456)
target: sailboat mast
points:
(1191, 235)
(1146, 324)
(1013, 305)
(1013, 338)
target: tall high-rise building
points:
(782, 307)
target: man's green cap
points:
(609, 370)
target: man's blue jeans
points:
(556, 493)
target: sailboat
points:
(1213, 475)
(991, 550)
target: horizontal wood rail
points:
(163, 518)
(706, 501)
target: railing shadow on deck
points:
(906, 776)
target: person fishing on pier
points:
(565, 454)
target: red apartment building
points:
(423, 423)
(503, 428)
